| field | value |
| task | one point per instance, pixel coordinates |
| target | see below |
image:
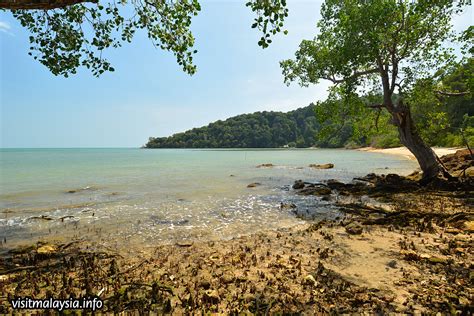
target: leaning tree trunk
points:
(426, 157)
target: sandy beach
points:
(403, 151)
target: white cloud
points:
(5, 28)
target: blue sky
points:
(148, 94)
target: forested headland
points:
(442, 120)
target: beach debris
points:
(322, 166)
(253, 185)
(65, 217)
(42, 217)
(266, 165)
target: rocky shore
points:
(399, 247)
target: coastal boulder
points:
(354, 228)
(323, 166)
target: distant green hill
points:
(296, 128)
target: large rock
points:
(322, 166)
(299, 184)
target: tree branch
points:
(40, 4)
(355, 75)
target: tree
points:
(69, 34)
(383, 46)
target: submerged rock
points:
(287, 206)
(253, 185)
(322, 166)
(159, 221)
(266, 165)
(316, 190)
(88, 188)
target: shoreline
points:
(370, 260)
(404, 152)
(396, 248)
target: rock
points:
(323, 166)
(354, 228)
(253, 185)
(211, 296)
(310, 280)
(299, 184)
(287, 206)
(392, 264)
(266, 165)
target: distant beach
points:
(404, 152)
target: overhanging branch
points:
(355, 75)
(40, 4)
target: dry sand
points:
(403, 151)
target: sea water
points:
(131, 197)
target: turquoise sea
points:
(128, 197)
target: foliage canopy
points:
(66, 37)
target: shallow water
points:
(126, 197)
